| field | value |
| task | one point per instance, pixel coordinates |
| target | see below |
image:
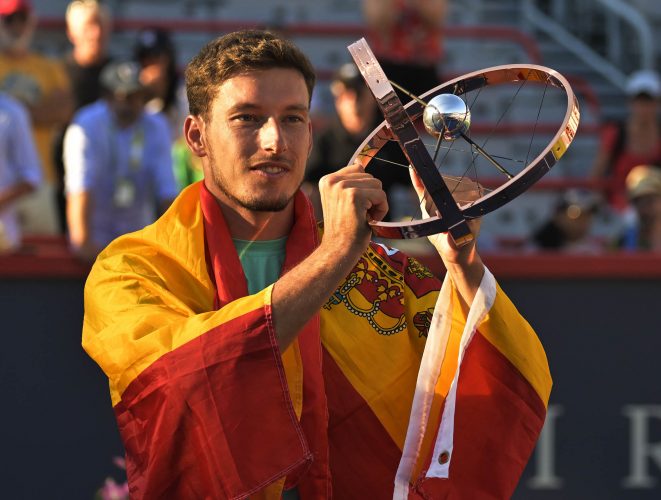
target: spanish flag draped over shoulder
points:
(392, 390)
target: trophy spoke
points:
(480, 150)
(437, 148)
(470, 152)
(539, 110)
(407, 93)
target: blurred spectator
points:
(117, 163)
(89, 24)
(643, 228)
(568, 229)
(20, 171)
(356, 116)
(42, 86)
(636, 141)
(406, 38)
(155, 51)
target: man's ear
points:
(194, 135)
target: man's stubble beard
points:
(254, 204)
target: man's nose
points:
(271, 136)
(94, 30)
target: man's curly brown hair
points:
(238, 53)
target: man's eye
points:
(294, 119)
(246, 118)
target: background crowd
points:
(91, 147)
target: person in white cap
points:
(635, 141)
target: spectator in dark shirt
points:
(89, 25)
(356, 116)
(155, 51)
(568, 229)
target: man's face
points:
(89, 31)
(15, 24)
(357, 101)
(127, 107)
(644, 106)
(257, 139)
(154, 73)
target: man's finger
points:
(353, 167)
(379, 208)
(426, 204)
(417, 183)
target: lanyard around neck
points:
(135, 152)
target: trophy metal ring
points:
(451, 114)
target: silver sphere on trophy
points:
(447, 114)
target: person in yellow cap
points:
(643, 231)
